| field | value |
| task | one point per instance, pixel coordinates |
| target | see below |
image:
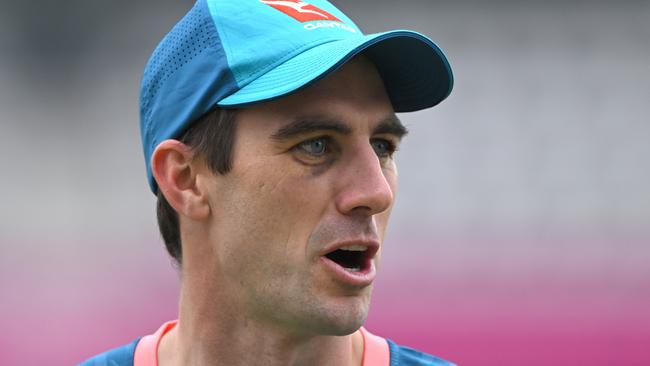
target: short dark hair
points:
(211, 137)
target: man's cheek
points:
(382, 222)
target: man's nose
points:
(363, 186)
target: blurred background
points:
(521, 235)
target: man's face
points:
(312, 173)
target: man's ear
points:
(175, 171)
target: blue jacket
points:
(399, 356)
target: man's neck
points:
(173, 350)
(208, 334)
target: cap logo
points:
(300, 10)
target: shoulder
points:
(405, 356)
(120, 356)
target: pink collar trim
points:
(146, 352)
(375, 349)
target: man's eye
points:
(383, 148)
(317, 146)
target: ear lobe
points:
(175, 172)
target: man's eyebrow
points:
(305, 125)
(391, 125)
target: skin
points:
(254, 288)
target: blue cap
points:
(234, 53)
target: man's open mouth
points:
(353, 258)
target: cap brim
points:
(415, 71)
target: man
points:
(269, 130)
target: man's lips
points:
(351, 261)
(371, 245)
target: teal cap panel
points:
(419, 81)
(256, 36)
(186, 75)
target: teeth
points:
(354, 248)
(353, 269)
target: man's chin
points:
(343, 319)
(344, 330)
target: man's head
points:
(310, 173)
(282, 203)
